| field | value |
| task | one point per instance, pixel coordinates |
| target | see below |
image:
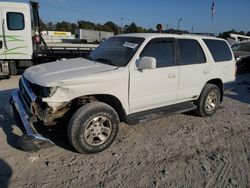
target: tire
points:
(13, 68)
(241, 68)
(93, 127)
(209, 100)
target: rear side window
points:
(15, 21)
(190, 52)
(219, 50)
(162, 50)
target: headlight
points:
(48, 91)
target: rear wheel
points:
(93, 127)
(208, 101)
(13, 68)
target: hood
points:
(51, 74)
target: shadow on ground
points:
(7, 123)
(242, 91)
(5, 174)
(9, 120)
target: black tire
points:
(82, 121)
(241, 68)
(13, 68)
(202, 106)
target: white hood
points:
(51, 74)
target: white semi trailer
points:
(21, 43)
(92, 36)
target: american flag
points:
(213, 9)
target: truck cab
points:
(21, 43)
(16, 29)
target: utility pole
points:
(192, 30)
(167, 26)
(179, 23)
(122, 19)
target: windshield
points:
(116, 51)
(241, 47)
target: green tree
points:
(63, 26)
(150, 30)
(50, 26)
(73, 27)
(43, 26)
(114, 28)
(242, 33)
(86, 25)
(133, 28)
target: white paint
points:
(137, 90)
(24, 46)
(130, 45)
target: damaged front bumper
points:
(31, 140)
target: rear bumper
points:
(33, 137)
(228, 86)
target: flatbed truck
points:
(21, 43)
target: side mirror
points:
(147, 63)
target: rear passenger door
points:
(224, 62)
(194, 69)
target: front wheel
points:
(93, 127)
(208, 101)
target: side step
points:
(160, 112)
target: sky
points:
(196, 14)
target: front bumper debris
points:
(31, 140)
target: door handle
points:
(172, 76)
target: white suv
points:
(129, 78)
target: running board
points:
(160, 112)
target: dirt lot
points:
(177, 151)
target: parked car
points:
(129, 78)
(242, 55)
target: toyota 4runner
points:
(129, 78)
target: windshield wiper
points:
(105, 61)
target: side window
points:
(162, 50)
(219, 50)
(190, 52)
(15, 21)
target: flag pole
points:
(213, 11)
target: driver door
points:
(16, 29)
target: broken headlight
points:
(48, 91)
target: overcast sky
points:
(230, 14)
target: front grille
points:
(26, 98)
(35, 88)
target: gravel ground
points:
(176, 151)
